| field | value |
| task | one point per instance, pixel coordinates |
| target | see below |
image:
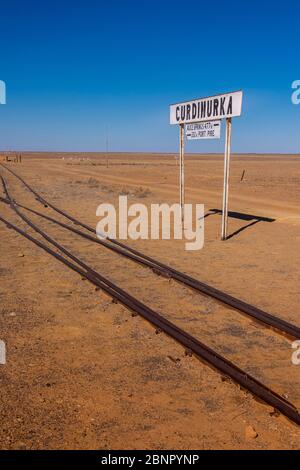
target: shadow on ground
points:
(252, 219)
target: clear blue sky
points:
(74, 67)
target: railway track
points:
(271, 321)
(199, 349)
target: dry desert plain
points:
(82, 372)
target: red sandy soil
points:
(82, 372)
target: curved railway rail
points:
(199, 349)
(269, 320)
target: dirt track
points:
(83, 373)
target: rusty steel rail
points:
(255, 313)
(203, 352)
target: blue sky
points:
(75, 68)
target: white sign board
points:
(204, 109)
(203, 130)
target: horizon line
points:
(135, 152)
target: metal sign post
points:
(202, 118)
(181, 172)
(226, 179)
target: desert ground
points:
(82, 372)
